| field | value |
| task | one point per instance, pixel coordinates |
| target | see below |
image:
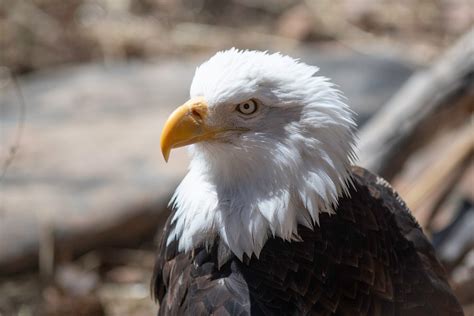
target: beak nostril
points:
(196, 114)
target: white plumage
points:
(271, 171)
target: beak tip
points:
(166, 154)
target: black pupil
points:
(246, 106)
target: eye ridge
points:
(248, 107)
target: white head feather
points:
(291, 165)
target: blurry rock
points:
(75, 281)
(144, 259)
(127, 299)
(449, 209)
(359, 11)
(456, 239)
(57, 304)
(296, 23)
(125, 275)
(20, 294)
(89, 158)
(463, 280)
(458, 15)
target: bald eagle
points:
(272, 217)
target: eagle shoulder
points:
(202, 282)
(428, 284)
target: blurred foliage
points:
(42, 33)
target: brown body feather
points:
(371, 258)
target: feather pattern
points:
(369, 258)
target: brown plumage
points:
(370, 258)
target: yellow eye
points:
(247, 107)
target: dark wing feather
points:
(193, 284)
(371, 258)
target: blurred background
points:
(85, 86)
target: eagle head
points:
(271, 145)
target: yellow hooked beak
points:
(185, 126)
